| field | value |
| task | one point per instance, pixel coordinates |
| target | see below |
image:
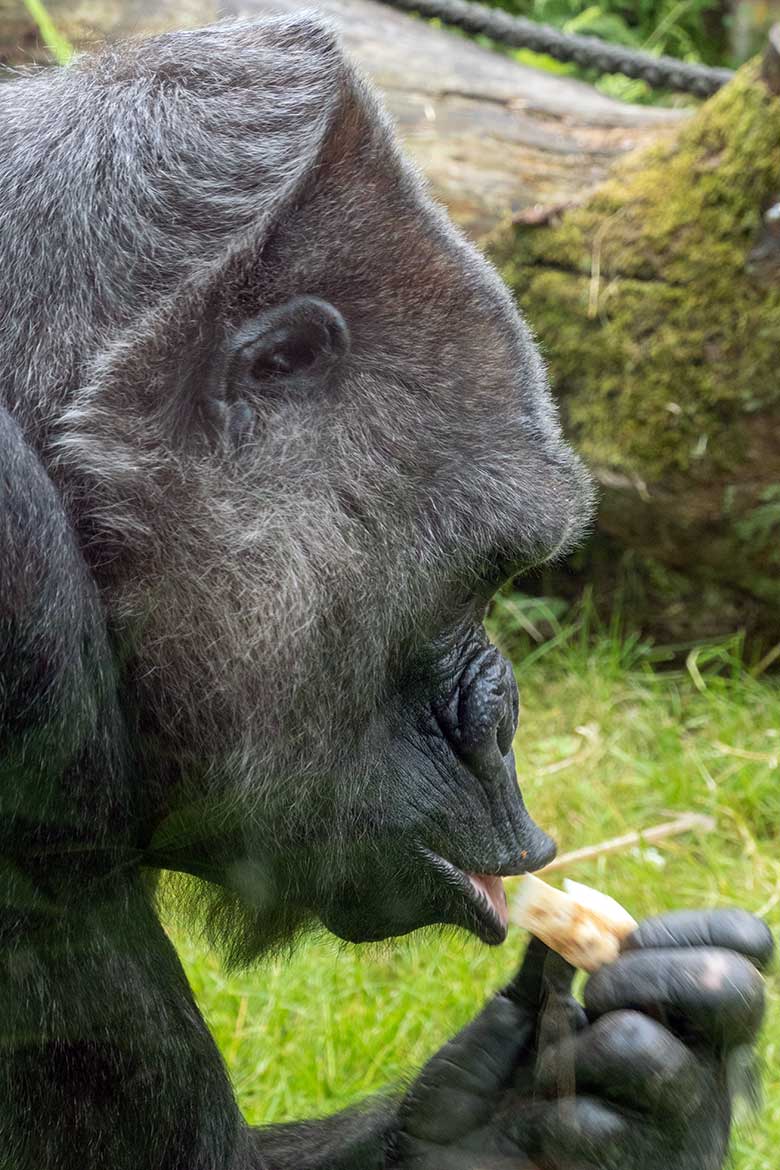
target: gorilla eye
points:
(294, 355)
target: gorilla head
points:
(303, 436)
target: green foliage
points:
(693, 30)
(761, 526)
(57, 44)
(606, 744)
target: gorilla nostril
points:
(480, 716)
(508, 726)
(506, 730)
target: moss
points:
(759, 528)
(659, 342)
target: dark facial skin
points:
(271, 436)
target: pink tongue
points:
(492, 887)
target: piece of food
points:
(583, 925)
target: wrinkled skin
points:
(271, 435)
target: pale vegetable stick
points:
(583, 925)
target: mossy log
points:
(656, 295)
(658, 305)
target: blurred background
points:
(639, 228)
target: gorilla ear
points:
(301, 340)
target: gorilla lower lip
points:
(477, 901)
(491, 887)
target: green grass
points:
(58, 45)
(606, 744)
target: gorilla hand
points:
(638, 1080)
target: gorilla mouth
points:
(451, 821)
(477, 901)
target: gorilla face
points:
(299, 480)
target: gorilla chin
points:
(436, 894)
(459, 824)
(429, 891)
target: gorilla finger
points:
(560, 1020)
(482, 1057)
(733, 930)
(629, 1059)
(541, 972)
(701, 993)
(575, 1132)
(561, 1017)
(457, 1088)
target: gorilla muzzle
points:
(490, 834)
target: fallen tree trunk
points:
(652, 294)
(493, 137)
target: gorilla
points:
(272, 434)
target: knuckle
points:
(747, 932)
(581, 1129)
(627, 1032)
(637, 1041)
(748, 999)
(749, 980)
(720, 994)
(730, 977)
(601, 984)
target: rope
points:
(588, 52)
